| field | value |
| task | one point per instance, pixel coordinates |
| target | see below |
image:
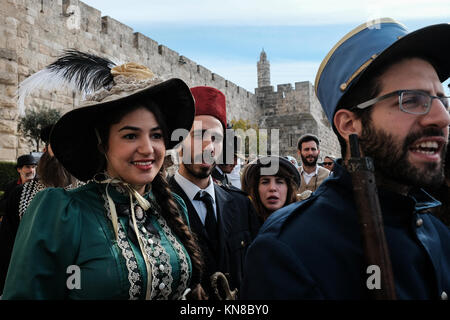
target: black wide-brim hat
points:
(370, 46)
(74, 140)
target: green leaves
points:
(34, 120)
(253, 138)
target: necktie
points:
(227, 182)
(210, 220)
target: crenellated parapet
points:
(34, 33)
(295, 111)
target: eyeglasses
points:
(327, 163)
(410, 101)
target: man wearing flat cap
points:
(26, 167)
(222, 218)
(384, 85)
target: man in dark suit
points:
(223, 219)
(219, 176)
(222, 170)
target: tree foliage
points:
(252, 147)
(34, 120)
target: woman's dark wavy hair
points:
(51, 172)
(250, 184)
(160, 188)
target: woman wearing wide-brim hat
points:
(271, 183)
(123, 235)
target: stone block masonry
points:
(296, 111)
(33, 33)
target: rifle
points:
(376, 251)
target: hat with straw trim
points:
(105, 87)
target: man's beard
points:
(227, 168)
(199, 172)
(309, 163)
(193, 165)
(391, 157)
(29, 176)
(447, 163)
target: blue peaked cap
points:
(368, 47)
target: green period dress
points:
(66, 248)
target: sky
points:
(227, 36)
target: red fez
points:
(211, 102)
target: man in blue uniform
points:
(383, 84)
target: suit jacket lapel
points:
(195, 223)
(221, 202)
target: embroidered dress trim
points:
(134, 276)
(161, 268)
(184, 267)
(159, 258)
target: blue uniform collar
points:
(417, 199)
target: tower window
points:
(291, 140)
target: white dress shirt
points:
(191, 190)
(307, 176)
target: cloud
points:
(232, 32)
(269, 12)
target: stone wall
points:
(33, 33)
(296, 111)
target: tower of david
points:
(34, 34)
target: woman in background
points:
(271, 183)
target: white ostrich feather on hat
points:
(74, 70)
